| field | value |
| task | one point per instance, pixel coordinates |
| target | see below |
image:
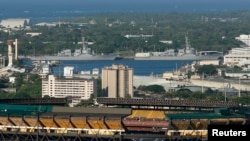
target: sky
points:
(126, 2)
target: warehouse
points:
(15, 23)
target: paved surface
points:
(213, 83)
(167, 84)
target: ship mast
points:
(83, 44)
(84, 47)
(187, 43)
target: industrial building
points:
(12, 56)
(215, 62)
(15, 23)
(117, 81)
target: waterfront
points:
(141, 68)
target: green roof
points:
(193, 116)
(18, 110)
(223, 114)
(218, 113)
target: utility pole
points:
(202, 87)
(239, 87)
(225, 93)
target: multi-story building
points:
(237, 55)
(68, 87)
(117, 81)
(241, 55)
(244, 38)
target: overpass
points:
(166, 103)
(36, 101)
(220, 84)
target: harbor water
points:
(141, 68)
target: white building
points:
(46, 24)
(95, 71)
(62, 87)
(12, 80)
(138, 36)
(33, 34)
(117, 81)
(68, 72)
(15, 23)
(46, 69)
(241, 75)
(244, 38)
(174, 75)
(237, 55)
(85, 72)
(166, 41)
(209, 62)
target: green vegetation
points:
(244, 99)
(207, 70)
(26, 85)
(87, 103)
(206, 31)
(158, 91)
(152, 88)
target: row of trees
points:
(184, 93)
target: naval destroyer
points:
(187, 53)
(81, 54)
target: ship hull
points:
(194, 58)
(76, 58)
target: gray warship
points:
(187, 53)
(81, 54)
